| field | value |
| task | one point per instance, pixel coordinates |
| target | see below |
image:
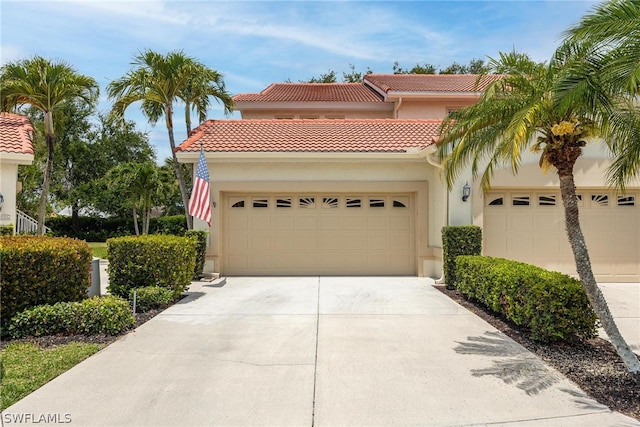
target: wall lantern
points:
(466, 192)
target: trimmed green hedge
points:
(38, 270)
(151, 297)
(107, 315)
(150, 260)
(94, 229)
(458, 240)
(6, 230)
(552, 305)
(201, 248)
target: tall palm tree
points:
(516, 113)
(47, 86)
(603, 50)
(158, 81)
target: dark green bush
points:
(151, 260)
(6, 230)
(552, 305)
(151, 297)
(175, 225)
(201, 248)
(107, 315)
(458, 240)
(41, 270)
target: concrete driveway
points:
(316, 351)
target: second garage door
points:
(528, 226)
(328, 233)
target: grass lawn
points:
(26, 367)
(99, 249)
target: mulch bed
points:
(593, 365)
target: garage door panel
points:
(535, 233)
(319, 234)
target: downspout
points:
(396, 108)
(430, 151)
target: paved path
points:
(313, 351)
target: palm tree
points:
(47, 86)
(516, 113)
(202, 84)
(603, 50)
(158, 81)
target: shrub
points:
(151, 260)
(41, 270)
(458, 240)
(552, 305)
(6, 230)
(107, 315)
(175, 225)
(201, 248)
(151, 297)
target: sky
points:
(256, 43)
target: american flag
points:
(200, 203)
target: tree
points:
(158, 81)
(328, 77)
(47, 86)
(417, 69)
(603, 51)
(354, 76)
(519, 112)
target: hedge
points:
(201, 249)
(6, 230)
(107, 315)
(150, 260)
(458, 240)
(150, 297)
(552, 305)
(40, 270)
(95, 229)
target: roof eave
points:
(412, 154)
(313, 105)
(16, 158)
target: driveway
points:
(316, 351)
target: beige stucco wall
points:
(317, 114)
(9, 182)
(415, 176)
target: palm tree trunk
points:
(44, 196)
(187, 117)
(585, 272)
(135, 221)
(176, 168)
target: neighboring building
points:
(340, 178)
(16, 148)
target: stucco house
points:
(16, 148)
(341, 178)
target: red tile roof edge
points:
(19, 130)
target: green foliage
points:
(41, 270)
(107, 315)
(94, 229)
(201, 248)
(552, 305)
(150, 260)
(151, 297)
(458, 240)
(6, 230)
(28, 367)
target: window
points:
(283, 202)
(549, 200)
(260, 203)
(520, 200)
(600, 200)
(236, 202)
(353, 202)
(309, 116)
(400, 202)
(284, 116)
(626, 200)
(334, 117)
(329, 202)
(375, 202)
(496, 201)
(307, 202)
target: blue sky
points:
(255, 43)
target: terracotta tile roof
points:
(312, 92)
(15, 134)
(300, 135)
(429, 82)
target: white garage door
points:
(309, 234)
(529, 226)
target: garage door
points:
(309, 234)
(529, 226)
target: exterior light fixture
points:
(466, 192)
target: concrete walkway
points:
(316, 351)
